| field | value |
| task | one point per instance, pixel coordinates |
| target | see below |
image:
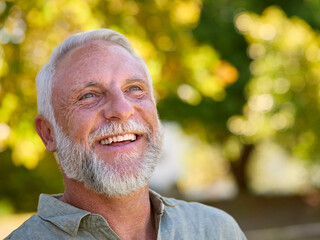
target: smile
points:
(118, 139)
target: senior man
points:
(98, 116)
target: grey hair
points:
(44, 79)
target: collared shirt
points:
(175, 219)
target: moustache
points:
(116, 128)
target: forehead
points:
(96, 58)
(97, 48)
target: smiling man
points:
(98, 116)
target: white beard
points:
(126, 173)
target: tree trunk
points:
(239, 168)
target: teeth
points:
(134, 137)
(127, 137)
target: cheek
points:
(79, 125)
(149, 114)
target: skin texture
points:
(95, 84)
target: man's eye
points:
(134, 88)
(88, 95)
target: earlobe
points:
(46, 133)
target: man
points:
(98, 116)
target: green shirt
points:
(175, 220)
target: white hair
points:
(45, 77)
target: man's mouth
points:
(118, 139)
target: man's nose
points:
(119, 107)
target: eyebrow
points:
(80, 87)
(93, 83)
(89, 84)
(139, 80)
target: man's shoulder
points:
(192, 218)
(36, 228)
(195, 209)
(27, 229)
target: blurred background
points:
(238, 90)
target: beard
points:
(125, 174)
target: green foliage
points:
(283, 94)
(212, 63)
(20, 187)
(159, 30)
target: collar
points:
(63, 215)
(68, 217)
(156, 202)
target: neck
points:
(130, 217)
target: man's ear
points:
(46, 133)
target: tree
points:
(159, 30)
(287, 111)
(197, 54)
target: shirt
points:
(175, 219)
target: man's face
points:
(98, 84)
(108, 134)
